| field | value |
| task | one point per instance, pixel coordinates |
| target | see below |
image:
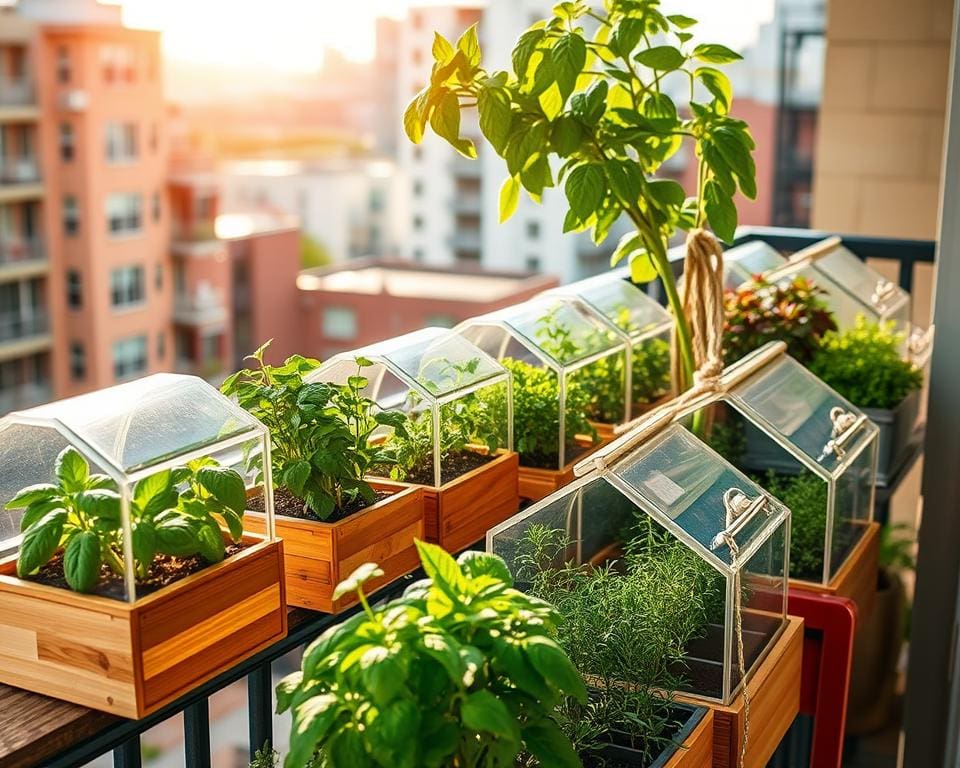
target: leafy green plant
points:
(596, 106)
(180, 512)
(805, 495)
(650, 374)
(462, 670)
(761, 311)
(536, 413)
(625, 626)
(471, 419)
(319, 432)
(864, 365)
(896, 547)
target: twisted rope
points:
(732, 545)
(703, 308)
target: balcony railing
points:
(16, 92)
(24, 396)
(19, 170)
(196, 232)
(466, 240)
(17, 327)
(470, 202)
(22, 251)
(201, 308)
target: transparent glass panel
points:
(441, 361)
(682, 483)
(563, 330)
(795, 406)
(144, 422)
(128, 458)
(473, 427)
(876, 295)
(763, 603)
(853, 508)
(651, 376)
(603, 386)
(744, 261)
(621, 302)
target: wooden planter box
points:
(536, 483)
(774, 691)
(460, 512)
(693, 748)
(318, 555)
(130, 659)
(857, 577)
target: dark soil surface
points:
(621, 750)
(288, 505)
(452, 466)
(165, 571)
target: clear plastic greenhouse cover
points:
(804, 415)
(621, 302)
(535, 323)
(128, 432)
(434, 361)
(744, 261)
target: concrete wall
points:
(877, 167)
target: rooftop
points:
(373, 278)
(234, 226)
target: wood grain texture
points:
(536, 483)
(857, 577)
(108, 655)
(697, 749)
(774, 691)
(319, 555)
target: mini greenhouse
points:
(568, 368)
(742, 262)
(853, 288)
(122, 511)
(457, 398)
(807, 446)
(455, 432)
(670, 497)
(643, 324)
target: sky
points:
(289, 35)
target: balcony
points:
(203, 308)
(467, 203)
(16, 92)
(23, 333)
(19, 179)
(24, 396)
(22, 257)
(466, 240)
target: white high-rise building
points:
(450, 216)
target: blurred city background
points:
(180, 181)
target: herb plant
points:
(462, 670)
(864, 365)
(471, 419)
(536, 413)
(761, 311)
(625, 626)
(319, 432)
(180, 512)
(595, 106)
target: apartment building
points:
(449, 215)
(85, 284)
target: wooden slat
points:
(475, 502)
(697, 749)
(857, 577)
(535, 483)
(774, 690)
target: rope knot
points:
(703, 306)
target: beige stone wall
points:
(881, 122)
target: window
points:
(205, 207)
(121, 142)
(464, 256)
(161, 345)
(467, 186)
(71, 215)
(126, 287)
(533, 230)
(78, 361)
(124, 213)
(66, 142)
(158, 277)
(440, 321)
(417, 188)
(63, 64)
(377, 201)
(417, 57)
(418, 254)
(129, 357)
(339, 323)
(418, 222)
(74, 289)
(533, 263)
(210, 348)
(117, 63)
(157, 211)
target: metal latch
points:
(845, 425)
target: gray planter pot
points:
(896, 429)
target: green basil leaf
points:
(483, 712)
(225, 485)
(72, 470)
(357, 579)
(664, 58)
(40, 542)
(549, 745)
(550, 661)
(82, 560)
(31, 494)
(312, 721)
